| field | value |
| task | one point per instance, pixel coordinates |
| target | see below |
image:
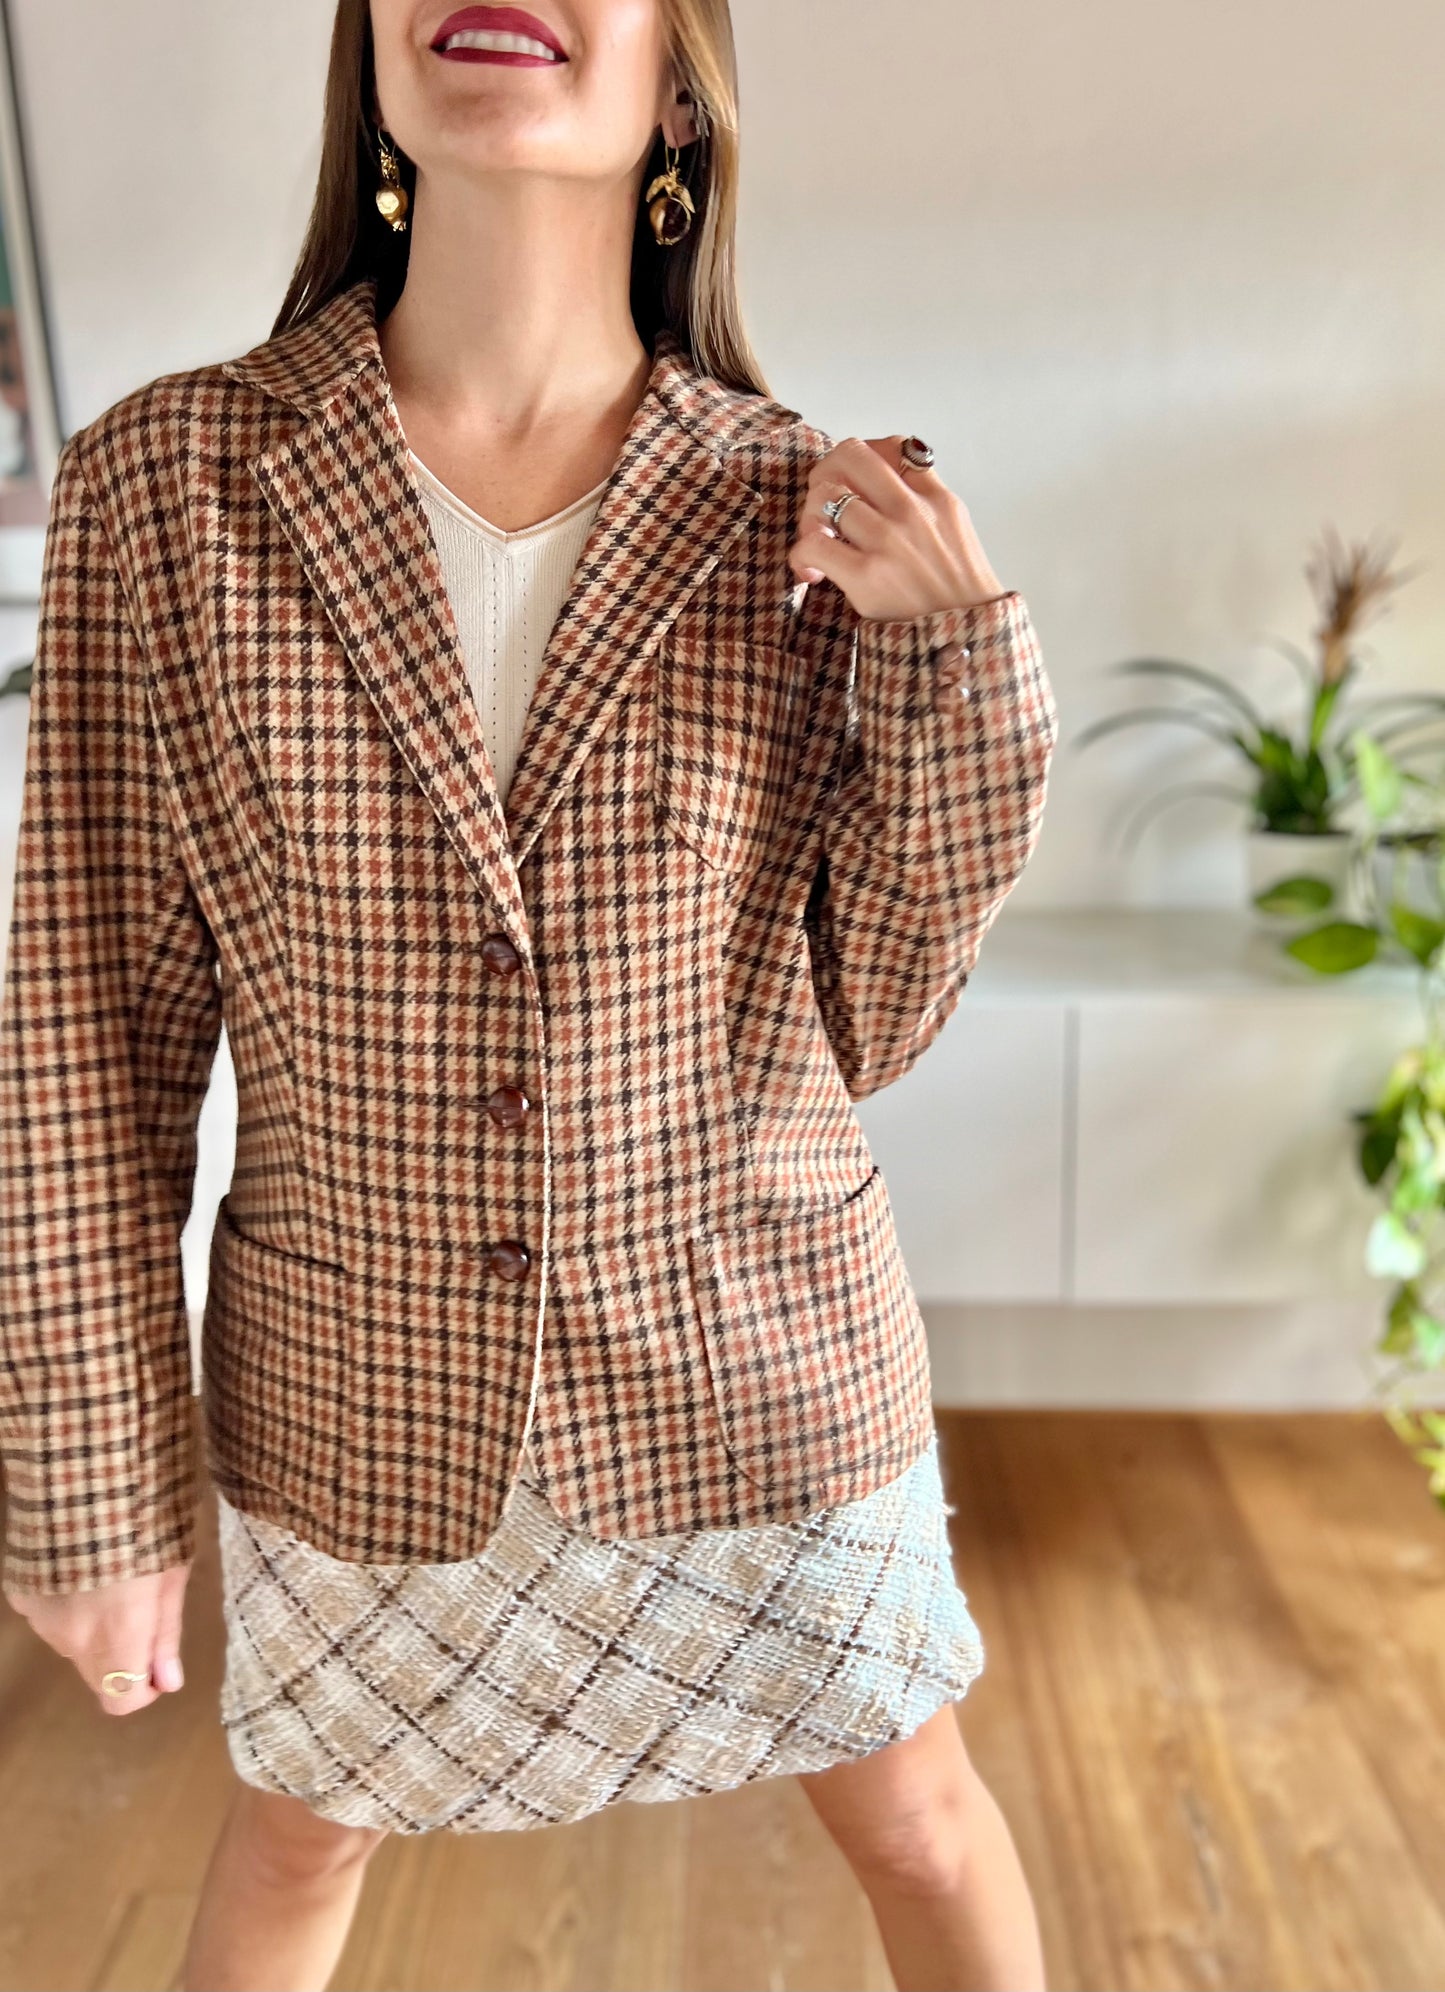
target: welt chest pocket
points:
(722, 747)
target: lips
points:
(498, 34)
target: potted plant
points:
(1300, 782)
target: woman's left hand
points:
(906, 544)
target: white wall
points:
(1163, 282)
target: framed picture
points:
(29, 418)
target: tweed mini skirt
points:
(557, 1673)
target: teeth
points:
(503, 44)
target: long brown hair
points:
(691, 288)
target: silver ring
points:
(915, 455)
(834, 509)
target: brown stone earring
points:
(669, 204)
(391, 195)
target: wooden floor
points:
(1213, 1712)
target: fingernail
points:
(810, 573)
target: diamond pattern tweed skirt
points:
(557, 1673)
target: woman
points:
(576, 782)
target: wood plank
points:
(148, 1942)
(1009, 1725)
(771, 1903)
(1357, 1551)
(1305, 1847)
(1130, 1830)
(594, 1907)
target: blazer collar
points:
(342, 490)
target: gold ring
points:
(119, 1682)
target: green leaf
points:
(1198, 675)
(1416, 1187)
(1398, 1337)
(1166, 715)
(1324, 706)
(1381, 785)
(1397, 1340)
(1134, 827)
(1378, 1145)
(1392, 1250)
(1406, 1076)
(1416, 931)
(1431, 1087)
(1335, 948)
(1296, 896)
(1432, 1126)
(1373, 702)
(1275, 752)
(1429, 1339)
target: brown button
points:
(508, 1105)
(950, 688)
(500, 956)
(510, 1258)
(950, 662)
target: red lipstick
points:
(498, 34)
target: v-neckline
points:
(459, 506)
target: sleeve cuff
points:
(919, 718)
(140, 1520)
(896, 658)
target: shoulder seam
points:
(76, 444)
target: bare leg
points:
(934, 1855)
(277, 1900)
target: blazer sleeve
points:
(109, 1022)
(936, 810)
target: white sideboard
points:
(1144, 1108)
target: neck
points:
(516, 315)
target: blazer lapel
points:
(669, 511)
(342, 489)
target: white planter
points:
(1274, 855)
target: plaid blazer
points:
(546, 1123)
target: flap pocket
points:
(720, 745)
(816, 1347)
(274, 1374)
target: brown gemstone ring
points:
(915, 454)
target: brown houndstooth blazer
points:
(546, 1118)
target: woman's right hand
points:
(134, 1623)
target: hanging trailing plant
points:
(1400, 869)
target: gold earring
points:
(669, 204)
(391, 196)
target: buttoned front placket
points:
(519, 1111)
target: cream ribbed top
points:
(506, 591)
